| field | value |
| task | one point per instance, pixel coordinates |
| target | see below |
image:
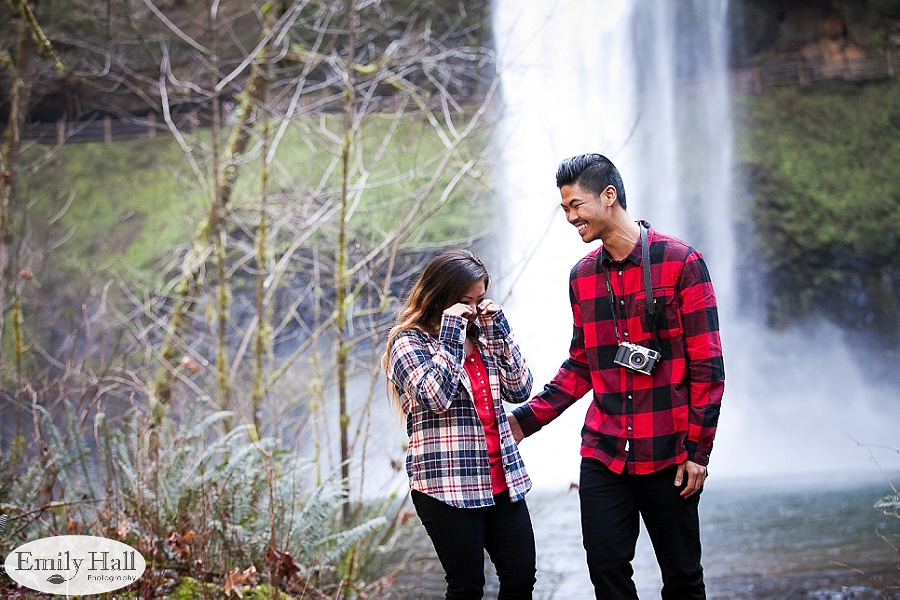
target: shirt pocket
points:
(667, 314)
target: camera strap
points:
(648, 286)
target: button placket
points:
(628, 428)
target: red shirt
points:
(484, 404)
(639, 423)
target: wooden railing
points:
(105, 128)
(804, 73)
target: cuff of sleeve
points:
(501, 323)
(526, 419)
(453, 330)
(697, 453)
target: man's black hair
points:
(593, 172)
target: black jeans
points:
(610, 505)
(461, 535)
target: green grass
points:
(128, 203)
(133, 201)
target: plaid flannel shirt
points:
(640, 423)
(447, 456)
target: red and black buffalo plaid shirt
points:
(639, 423)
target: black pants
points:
(461, 535)
(610, 506)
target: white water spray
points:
(646, 83)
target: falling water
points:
(645, 82)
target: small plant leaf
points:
(56, 578)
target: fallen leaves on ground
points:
(181, 544)
(236, 579)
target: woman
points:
(450, 361)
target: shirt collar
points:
(635, 254)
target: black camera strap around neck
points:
(648, 285)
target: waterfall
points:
(645, 82)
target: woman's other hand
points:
(461, 310)
(488, 307)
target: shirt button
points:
(629, 429)
(629, 396)
(620, 272)
(626, 334)
(621, 302)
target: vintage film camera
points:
(636, 358)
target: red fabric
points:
(640, 423)
(484, 404)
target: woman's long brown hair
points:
(443, 283)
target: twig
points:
(864, 574)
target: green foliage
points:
(823, 164)
(128, 203)
(890, 505)
(125, 205)
(187, 497)
(189, 588)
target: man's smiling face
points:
(589, 213)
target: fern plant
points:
(890, 507)
(187, 496)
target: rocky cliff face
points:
(817, 163)
(826, 31)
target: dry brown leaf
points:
(190, 364)
(281, 564)
(181, 544)
(73, 527)
(123, 528)
(236, 579)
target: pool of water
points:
(776, 539)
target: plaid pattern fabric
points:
(447, 457)
(640, 423)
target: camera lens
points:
(638, 360)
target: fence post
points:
(107, 128)
(757, 80)
(889, 58)
(60, 130)
(802, 75)
(151, 125)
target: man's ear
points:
(610, 196)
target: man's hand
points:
(515, 428)
(696, 475)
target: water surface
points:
(775, 539)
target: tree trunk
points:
(20, 101)
(341, 282)
(208, 234)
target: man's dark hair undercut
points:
(592, 172)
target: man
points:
(646, 439)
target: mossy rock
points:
(191, 589)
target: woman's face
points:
(472, 298)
